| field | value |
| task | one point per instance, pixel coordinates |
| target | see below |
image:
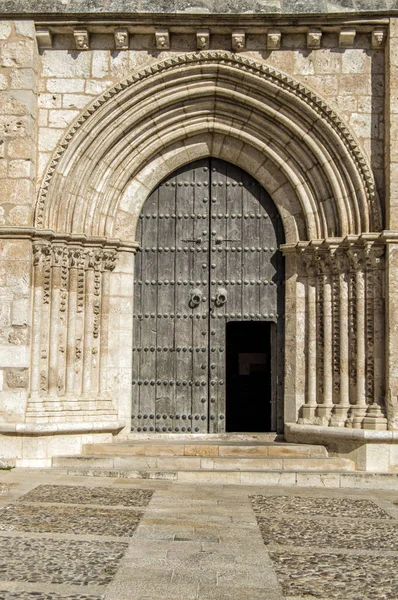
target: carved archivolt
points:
(281, 132)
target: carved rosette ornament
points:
(68, 295)
(344, 332)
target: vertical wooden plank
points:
(199, 282)
(218, 277)
(184, 265)
(164, 351)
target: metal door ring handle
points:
(195, 298)
(221, 297)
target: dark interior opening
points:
(248, 370)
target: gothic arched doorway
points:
(208, 305)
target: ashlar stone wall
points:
(18, 154)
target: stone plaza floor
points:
(81, 538)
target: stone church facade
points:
(167, 172)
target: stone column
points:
(309, 408)
(341, 409)
(74, 256)
(57, 256)
(356, 256)
(325, 405)
(294, 380)
(376, 413)
(40, 250)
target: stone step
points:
(201, 463)
(252, 449)
(313, 479)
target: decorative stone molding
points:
(344, 299)
(162, 39)
(314, 38)
(274, 38)
(203, 39)
(121, 39)
(44, 38)
(238, 40)
(81, 39)
(347, 38)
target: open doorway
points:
(249, 376)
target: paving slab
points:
(83, 538)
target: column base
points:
(339, 416)
(375, 418)
(307, 415)
(323, 413)
(357, 416)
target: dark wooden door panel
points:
(209, 238)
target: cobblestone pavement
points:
(80, 538)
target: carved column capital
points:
(357, 258)
(109, 260)
(76, 257)
(41, 251)
(374, 257)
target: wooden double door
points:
(208, 264)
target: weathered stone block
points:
(65, 64)
(20, 168)
(50, 100)
(65, 86)
(17, 191)
(23, 79)
(48, 138)
(20, 148)
(14, 356)
(25, 29)
(3, 167)
(100, 63)
(12, 126)
(18, 54)
(5, 30)
(19, 336)
(61, 118)
(20, 311)
(3, 82)
(75, 100)
(17, 378)
(10, 105)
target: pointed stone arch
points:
(209, 104)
